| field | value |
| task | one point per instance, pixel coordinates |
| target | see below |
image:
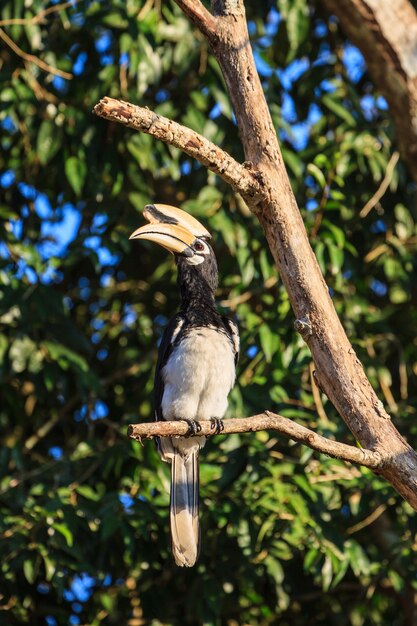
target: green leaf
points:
(24, 354)
(337, 233)
(107, 601)
(65, 356)
(317, 174)
(297, 24)
(336, 259)
(65, 532)
(7, 95)
(327, 573)
(267, 341)
(88, 492)
(76, 171)
(311, 559)
(338, 109)
(29, 571)
(303, 484)
(49, 141)
(115, 20)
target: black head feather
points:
(198, 282)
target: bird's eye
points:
(199, 246)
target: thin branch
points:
(376, 252)
(40, 92)
(368, 520)
(317, 396)
(383, 186)
(263, 421)
(41, 432)
(322, 204)
(145, 10)
(199, 15)
(31, 58)
(207, 153)
(23, 21)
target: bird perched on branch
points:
(196, 365)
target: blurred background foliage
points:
(289, 536)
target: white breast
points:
(198, 376)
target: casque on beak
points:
(171, 228)
(166, 214)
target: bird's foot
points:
(217, 425)
(193, 426)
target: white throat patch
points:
(196, 259)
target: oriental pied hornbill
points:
(196, 365)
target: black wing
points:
(233, 333)
(168, 340)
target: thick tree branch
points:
(199, 15)
(385, 31)
(264, 421)
(207, 153)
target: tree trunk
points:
(385, 31)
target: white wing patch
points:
(177, 330)
(234, 335)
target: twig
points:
(385, 388)
(40, 92)
(376, 252)
(383, 186)
(145, 10)
(316, 396)
(263, 421)
(231, 303)
(320, 210)
(348, 474)
(368, 520)
(15, 481)
(31, 58)
(402, 370)
(207, 153)
(23, 21)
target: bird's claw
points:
(193, 427)
(217, 425)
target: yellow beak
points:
(173, 237)
(166, 214)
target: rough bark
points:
(385, 31)
(339, 372)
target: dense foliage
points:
(289, 537)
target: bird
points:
(196, 366)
